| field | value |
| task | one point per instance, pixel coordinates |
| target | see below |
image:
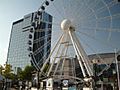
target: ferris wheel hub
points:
(66, 24)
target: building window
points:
(50, 18)
(42, 25)
(49, 25)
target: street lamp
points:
(117, 59)
(95, 61)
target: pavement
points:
(11, 89)
(19, 89)
(33, 88)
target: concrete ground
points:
(33, 88)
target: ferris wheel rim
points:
(108, 8)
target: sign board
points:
(65, 83)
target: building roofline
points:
(103, 55)
(17, 21)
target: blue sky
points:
(10, 11)
(13, 10)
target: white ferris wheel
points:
(81, 28)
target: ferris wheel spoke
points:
(105, 69)
(42, 38)
(84, 16)
(58, 63)
(89, 19)
(97, 55)
(89, 16)
(112, 3)
(34, 62)
(95, 3)
(43, 58)
(101, 42)
(98, 29)
(62, 69)
(58, 11)
(74, 12)
(69, 6)
(64, 8)
(56, 24)
(40, 48)
(110, 19)
(99, 58)
(53, 61)
(96, 22)
(40, 62)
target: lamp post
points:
(94, 61)
(38, 80)
(117, 59)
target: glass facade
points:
(20, 39)
(42, 38)
(17, 52)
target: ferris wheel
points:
(81, 28)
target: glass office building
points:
(22, 42)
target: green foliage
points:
(13, 76)
(20, 75)
(1, 69)
(7, 71)
(19, 70)
(26, 74)
(46, 67)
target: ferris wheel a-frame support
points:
(82, 57)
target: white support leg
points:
(64, 60)
(74, 45)
(51, 54)
(68, 27)
(54, 60)
(62, 52)
(82, 54)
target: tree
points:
(7, 71)
(1, 69)
(26, 74)
(46, 67)
(19, 70)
